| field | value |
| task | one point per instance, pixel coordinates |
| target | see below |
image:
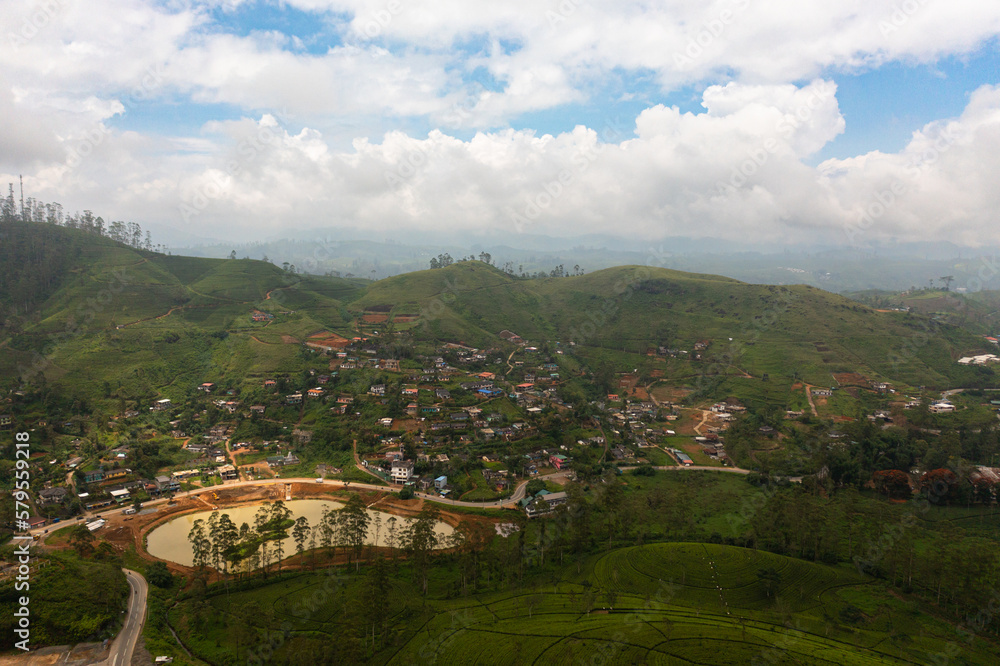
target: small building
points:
(228, 473)
(282, 461)
(294, 399)
(161, 405)
(207, 387)
(441, 482)
(120, 496)
(52, 495)
(401, 471)
(558, 460)
(93, 476)
(682, 457)
(537, 507)
(166, 484)
(5, 421)
(510, 337)
(257, 409)
(315, 393)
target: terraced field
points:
(702, 568)
(676, 603)
(689, 604)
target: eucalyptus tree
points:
(421, 539)
(200, 545)
(355, 519)
(325, 529)
(300, 532)
(212, 528)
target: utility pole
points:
(21, 179)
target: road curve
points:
(510, 502)
(124, 644)
(703, 468)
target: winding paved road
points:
(124, 644)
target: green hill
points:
(112, 313)
(102, 312)
(753, 329)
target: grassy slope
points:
(775, 330)
(108, 318)
(644, 604)
(119, 298)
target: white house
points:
(401, 471)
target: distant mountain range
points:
(885, 267)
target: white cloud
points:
(542, 55)
(663, 181)
(734, 170)
(71, 70)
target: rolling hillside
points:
(144, 321)
(752, 329)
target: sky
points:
(851, 123)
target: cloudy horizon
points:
(852, 124)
